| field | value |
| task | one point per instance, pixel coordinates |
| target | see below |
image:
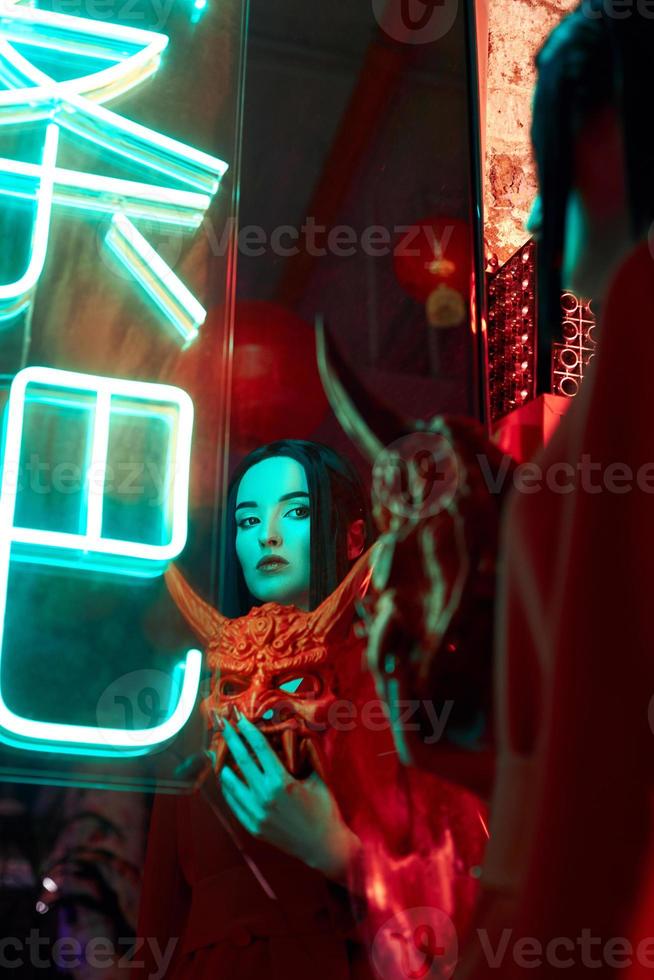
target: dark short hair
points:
(337, 497)
(591, 59)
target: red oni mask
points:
(252, 657)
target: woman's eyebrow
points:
(286, 496)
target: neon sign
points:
(166, 182)
(46, 736)
(168, 292)
(74, 106)
(101, 403)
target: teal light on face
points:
(72, 106)
(273, 519)
(90, 547)
(168, 292)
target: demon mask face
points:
(276, 665)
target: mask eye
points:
(311, 685)
(231, 687)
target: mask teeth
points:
(220, 748)
(312, 752)
(230, 713)
(290, 750)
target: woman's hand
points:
(300, 817)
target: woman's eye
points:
(244, 522)
(301, 511)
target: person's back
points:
(571, 821)
(571, 817)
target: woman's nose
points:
(270, 536)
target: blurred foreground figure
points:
(437, 496)
(438, 491)
(567, 871)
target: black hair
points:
(336, 498)
(595, 57)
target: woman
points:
(247, 880)
(571, 817)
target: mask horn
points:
(335, 613)
(353, 405)
(205, 621)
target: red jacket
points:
(200, 893)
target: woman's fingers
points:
(267, 758)
(240, 800)
(251, 771)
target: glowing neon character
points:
(102, 402)
(16, 296)
(73, 106)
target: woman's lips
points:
(272, 566)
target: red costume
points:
(199, 888)
(242, 907)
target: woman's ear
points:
(356, 535)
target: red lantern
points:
(432, 262)
(276, 388)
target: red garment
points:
(422, 838)
(199, 891)
(421, 835)
(571, 817)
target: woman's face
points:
(273, 522)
